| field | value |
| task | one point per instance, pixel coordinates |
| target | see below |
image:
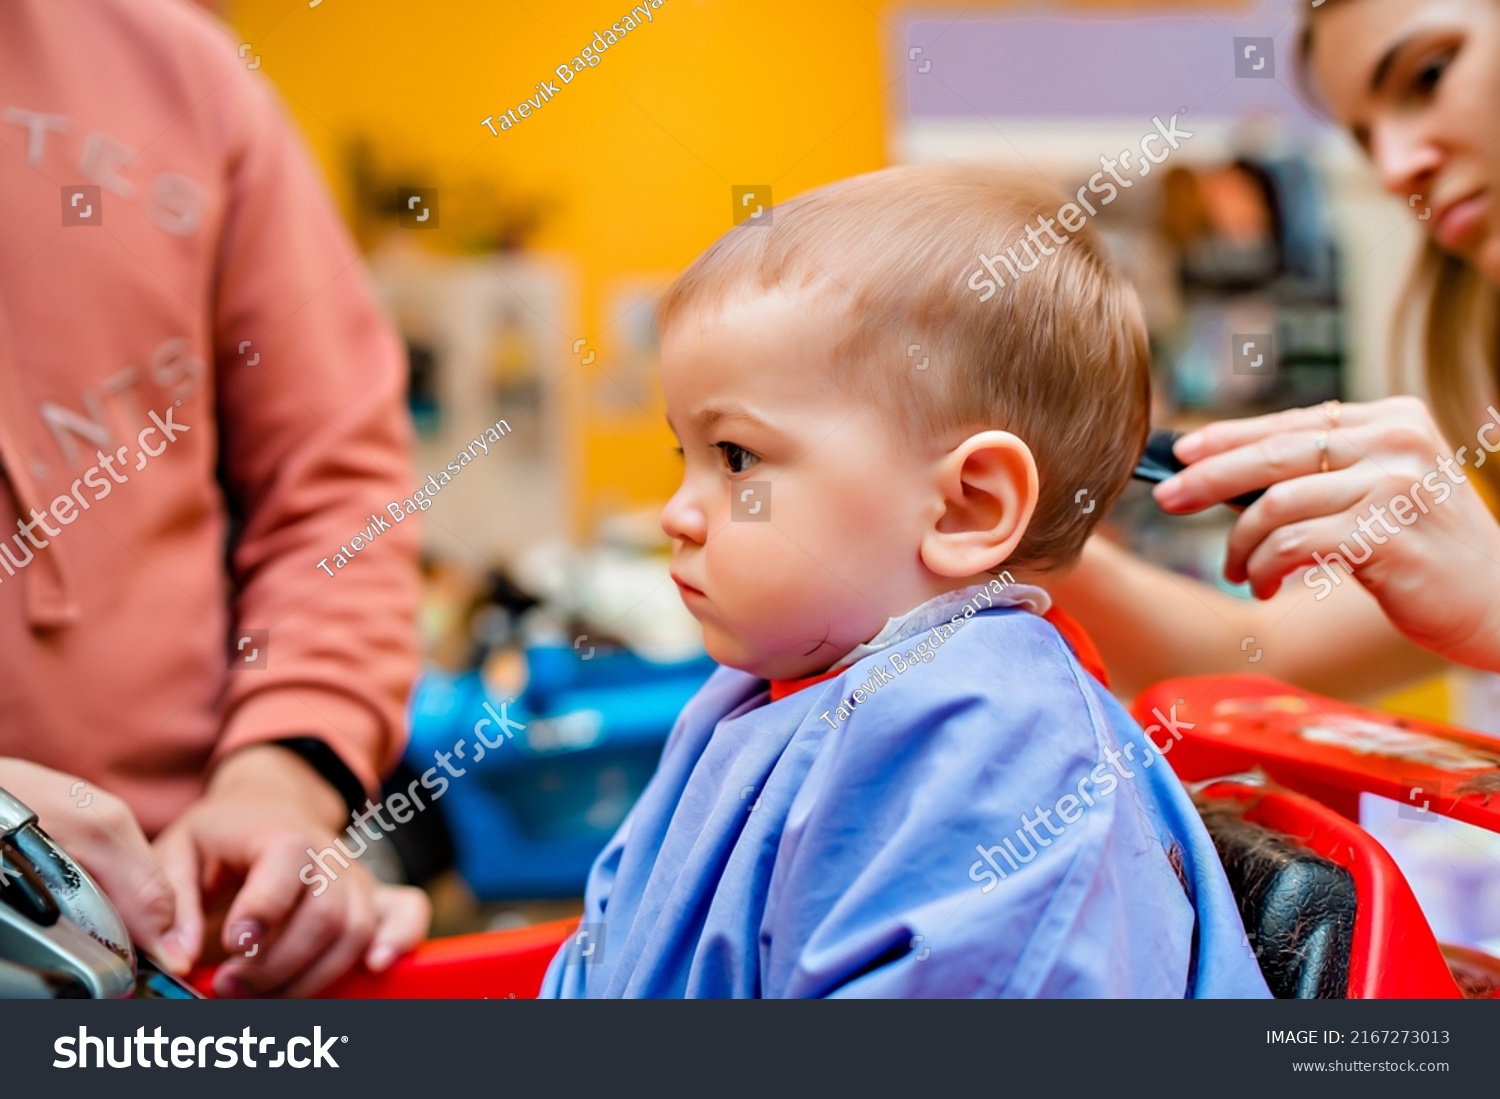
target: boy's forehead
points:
(751, 347)
(747, 311)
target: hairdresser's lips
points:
(1458, 226)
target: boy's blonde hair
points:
(1056, 353)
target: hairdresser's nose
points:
(683, 518)
(1408, 155)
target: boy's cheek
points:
(736, 544)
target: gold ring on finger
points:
(1322, 452)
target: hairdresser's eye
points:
(1429, 74)
(736, 458)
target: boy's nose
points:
(683, 519)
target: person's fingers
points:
(403, 914)
(1223, 435)
(119, 857)
(1290, 548)
(1275, 458)
(272, 887)
(1286, 503)
(146, 902)
(324, 937)
(354, 939)
(178, 857)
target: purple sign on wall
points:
(1095, 67)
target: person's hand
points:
(101, 833)
(250, 833)
(1432, 559)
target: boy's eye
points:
(736, 458)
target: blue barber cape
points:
(793, 848)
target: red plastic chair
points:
(1330, 751)
(1326, 753)
(1393, 954)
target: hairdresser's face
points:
(784, 583)
(1418, 85)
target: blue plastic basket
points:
(530, 812)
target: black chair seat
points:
(1298, 907)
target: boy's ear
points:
(988, 486)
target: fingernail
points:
(1187, 447)
(1168, 492)
(229, 987)
(173, 953)
(380, 958)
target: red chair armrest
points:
(495, 965)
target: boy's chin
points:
(733, 652)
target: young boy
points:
(902, 782)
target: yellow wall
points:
(638, 153)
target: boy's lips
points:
(687, 589)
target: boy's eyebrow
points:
(706, 418)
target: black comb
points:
(1159, 463)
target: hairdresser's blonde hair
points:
(1450, 307)
(1057, 355)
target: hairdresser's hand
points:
(249, 836)
(101, 832)
(1432, 559)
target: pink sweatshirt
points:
(180, 310)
